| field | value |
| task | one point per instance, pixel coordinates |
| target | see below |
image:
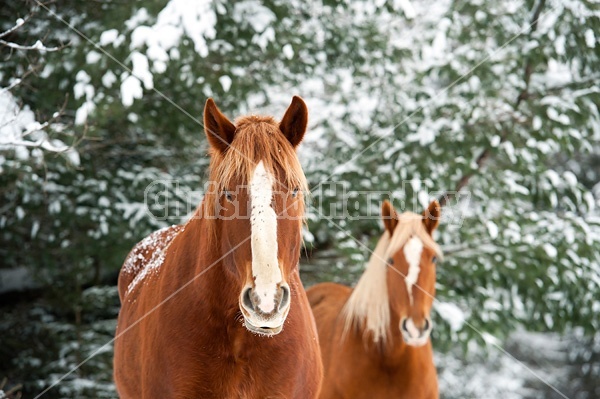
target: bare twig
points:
(20, 22)
(12, 393)
(18, 81)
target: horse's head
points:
(411, 258)
(257, 201)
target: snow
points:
(407, 8)
(590, 38)
(451, 313)
(225, 82)
(84, 89)
(83, 112)
(149, 254)
(108, 79)
(141, 69)
(254, 13)
(93, 57)
(103, 202)
(108, 37)
(17, 279)
(288, 51)
(131, 89)
(570, 178)
(492, 229)
(555, 116)
(550, 250)
(35, 227)
(196, 20)
(20, 132)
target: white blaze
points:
(412, 253)
(263, 221)
(412, 329)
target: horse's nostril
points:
(285, 297)
(427, 325)
(404, 325)
(247, 299)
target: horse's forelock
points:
(257, 139)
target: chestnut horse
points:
(215, 308)
(375, 338)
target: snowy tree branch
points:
(37, 46)
(42, 142)
(524, 94)
(20, 22)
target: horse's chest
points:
(249, 372)
(373, 382)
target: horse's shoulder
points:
(149, 252)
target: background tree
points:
(494, 104)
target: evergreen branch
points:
(524, 94)
(529, 65)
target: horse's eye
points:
(228, 195)
(390, 261)
(434, 259)
(295, 192)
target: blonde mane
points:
(368, 306)
(257, 138)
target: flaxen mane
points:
(368, 306)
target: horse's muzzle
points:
(413, 334)
(259, 322)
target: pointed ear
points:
(294, 122)
(432, 216)
(389, 216)
(219, 130)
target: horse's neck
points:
(211, 288)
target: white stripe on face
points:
(412, 253)
(263, 221)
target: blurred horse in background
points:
(375, 338)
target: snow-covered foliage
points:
(494, 103)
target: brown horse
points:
(215, 308)
(375, 339)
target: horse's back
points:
(326, 301)
(324, 293)
(144, 255)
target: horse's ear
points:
(219, 130)
(294, 122)
(389, 216)
(431, 216)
